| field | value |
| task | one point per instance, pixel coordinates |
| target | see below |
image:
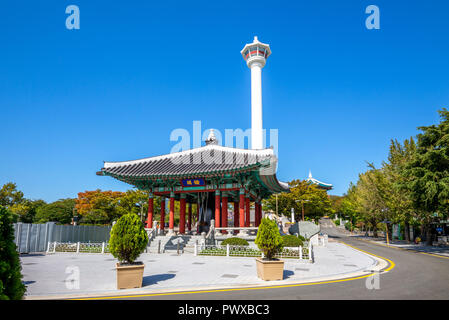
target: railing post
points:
(159, 246)
(300, 252)
(310, 251)
(102, 247)
(227, 250)
(78, 247)
(54, 247)
(48, 247)
(195, 250)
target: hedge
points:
(292, 241)
(235, 241)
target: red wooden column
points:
(150, 211)
(182, 214)
(189, 219)
(171, 225)
(224, 212)
(247, 209)
(198, 216)
(242, 209)
(217, 209)
(236, 213)
(258, 212)
(162, 213)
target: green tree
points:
(128, 238)
(399, 200)
(427, 173)
(60, 211)
(9, 195)
(11, 286)
(268, 238)
(368, 195)
(26, 210)
(317, 202)
(134, 201)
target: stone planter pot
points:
(270, 270)
(129, 276)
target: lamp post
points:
(302, 204)
(276, 204)
(386, 227)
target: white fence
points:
(78, 247)
(300, 253)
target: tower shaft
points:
(256, 106)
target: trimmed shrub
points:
(348, 226)
(337, 222)
(128, 238)
(235, 241)
(269, 239)
(292, 241)
(11, 286)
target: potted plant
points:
(269, 242)
(128, 240)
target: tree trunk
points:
(429, 238)
(375, 231)
(407, 231)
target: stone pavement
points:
(45, 275)
(438, 250)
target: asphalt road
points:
(414, 276)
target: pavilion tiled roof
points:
(207, 159)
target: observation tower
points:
(255, 55)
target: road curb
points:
(404, 249)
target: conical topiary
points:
(268, 238)
(11, 286)
(128, 238)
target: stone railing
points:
(304, 254)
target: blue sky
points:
(115, 89)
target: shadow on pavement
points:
(32, 255)
(153, 279)
(287, 274)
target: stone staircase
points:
(167, 245)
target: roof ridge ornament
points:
(211, 139)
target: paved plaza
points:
(50, 275)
